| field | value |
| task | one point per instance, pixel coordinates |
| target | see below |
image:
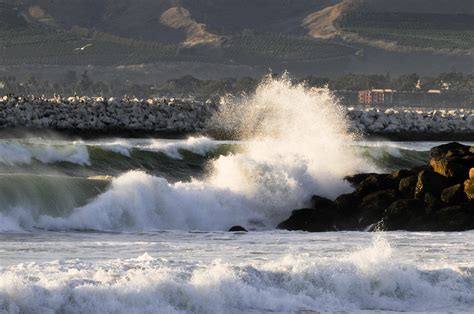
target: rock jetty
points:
(438, 196)
(82, 114)
(85, 114)
(411, 123)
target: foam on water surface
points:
(356, 274)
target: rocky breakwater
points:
(86, 114)
(438, 196)
(411, 124)
(82, 114)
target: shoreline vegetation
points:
(454, 85)
(438, 196)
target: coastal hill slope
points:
(325, 36)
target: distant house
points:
(376, 96)
(430, 98)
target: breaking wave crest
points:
(371, 279)
(300, 146)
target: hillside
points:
(436, 25)
(304, 35)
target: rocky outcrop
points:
(419, 199)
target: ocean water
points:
(140, 236)
(140, 225)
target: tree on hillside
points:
(406, 82)
(86, 82)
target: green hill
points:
(255, 33)
(431, 24)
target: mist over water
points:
(296, 145)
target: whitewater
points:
(120, 225)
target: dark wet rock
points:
(357, 179)
(374, 205)
(448, 167)
(453, 195)
(454, 168)
(401, 174)
(309, 219)
(417, 169)
(453, 149)
(320, 202)
(469, 189)
(454, 218)
(237, 229)
(407, 186)
(374, 183)
(404, 214)
(438, 197)
(432, 202)
(347, 203)
(429, 181)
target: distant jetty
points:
(98, 116)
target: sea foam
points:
(299, 147)
(369, 279)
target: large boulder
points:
(405, 214)
(357, 179)
(374, 183)
(455, 168)
(401, 174)
(454, 218)
(321, 202)
(347, 210)
(347, 203)
(453, 149)
(309, 219)
(453, 195)
(429, 181)
(432, 202)
(374, 205)
(407, 186)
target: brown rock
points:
(400, 215)
(347, 203)
(429, 181)
(452, 149)
(373, 206)
(469, 189)
(471, 174)
(374, 183)
(454, 218)
(407, 186)
(357, 179)
(450, 168)
(401, 174)
(432, 202)
(453, 195)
